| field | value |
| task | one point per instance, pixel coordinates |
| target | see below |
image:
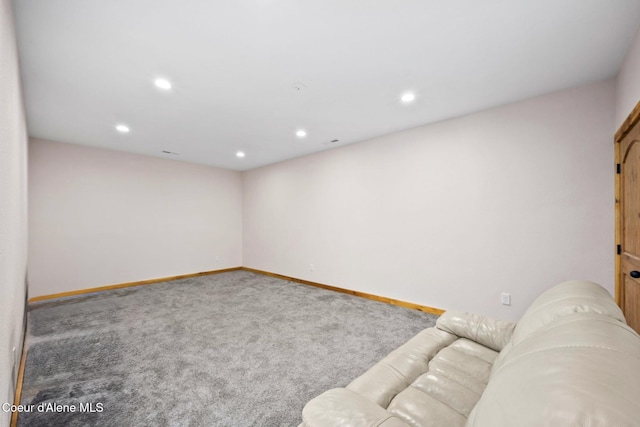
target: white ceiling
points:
(88, 65)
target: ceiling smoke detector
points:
(299, 86)
(333, 141)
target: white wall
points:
(513, 199)
(99, 217)
(13, 208)
(628, 84)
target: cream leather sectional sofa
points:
(571, 360)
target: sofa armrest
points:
(492, 333)
(342, 407)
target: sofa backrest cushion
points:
(576, 296)
(564, 299)
(581, 370)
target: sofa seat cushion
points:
(433, 380)
(448, 391)
(401, 367)
(466, 363)
(340, 407)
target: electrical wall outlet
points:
(312, 267)
(505, 298)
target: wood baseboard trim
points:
(405, 304)
(19, 381)
(392, 301)
(128, 284)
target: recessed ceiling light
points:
(408, 97)
(123, 128)
(301, 133)
(240, 154)
(162, 83)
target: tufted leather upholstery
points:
(570, 361)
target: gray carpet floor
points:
(232, 349)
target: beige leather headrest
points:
(576, 296)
